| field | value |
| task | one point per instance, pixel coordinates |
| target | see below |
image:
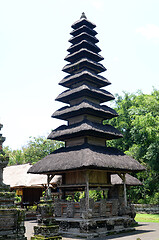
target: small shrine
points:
(86, 163)
(11, 218)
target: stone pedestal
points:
(11, 218)
(101, 219)
(47, 226)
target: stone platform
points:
(90, 228)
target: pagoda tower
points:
(86, 162)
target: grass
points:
(147, 218)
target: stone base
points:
(46, 232)
(90, 228)
(47, 227)
(12, 224)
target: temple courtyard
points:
(145, 231)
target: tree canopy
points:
(36, 149)
(138, 121)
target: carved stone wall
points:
(103, 208)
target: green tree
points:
(138, 121)
(36, 149)
(15, 156)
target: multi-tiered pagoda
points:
(86, 162)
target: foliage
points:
(18, 199)
(138, 121)
(97, 195)
(36, 149)
(32, 208)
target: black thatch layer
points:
(85, 107)
(84, 64)
(83, 53)
(129, 180)
(85, 128)
(81, 22)
(86, 157)
(85, 91)
(84, 77)
(83, 36)
(84, 44)
(82, 29)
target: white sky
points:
(34, 38)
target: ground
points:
(145, 231)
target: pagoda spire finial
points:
(83, 15)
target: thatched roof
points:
(83, 21)
(17, 176)
(85, 107)
(85, 128)
(85, 91)
(130, 180)
(84, 44)
(85, 76)
(84, 63)
(82, 29)
(83, 52)
(83, 36)
(86, 156)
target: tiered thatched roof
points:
(85, 127)
(85, 107)
(86, 157)
(85, 134)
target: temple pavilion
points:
(86, 163)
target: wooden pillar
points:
(87, 190)
(122, 176)
(49, 178)
(125, 197)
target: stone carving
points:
(103, 208)
(57, 209)
(70, 209)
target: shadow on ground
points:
(126, 234)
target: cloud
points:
(150, 31)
